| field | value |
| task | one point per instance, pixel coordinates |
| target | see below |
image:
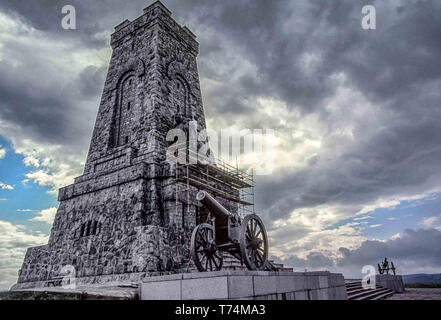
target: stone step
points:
(278, 265)
(286, 269)
(353, 284)
(355, 291)
(367, 294)
(232, 263)
(358, 286)
(383, 296)
(375, 295)
(358, 290)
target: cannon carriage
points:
(245, 239)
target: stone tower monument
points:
(120, 219)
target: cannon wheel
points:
(205, 255)
(253, 242)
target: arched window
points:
(178, 94)
(123, 121)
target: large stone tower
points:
(121, 219)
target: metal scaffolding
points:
(217, 178)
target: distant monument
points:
(131, 213)
(385, 268)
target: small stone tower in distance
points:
(122, 220)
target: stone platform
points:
(392, 282)
(248, 285)
(114, 280)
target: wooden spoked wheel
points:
(253, 242)
(205, 255)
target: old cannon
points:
(245, 239)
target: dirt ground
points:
(418, 294)
(81, 293)
(42, 295)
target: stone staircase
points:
(355, 291)
(280, 266)
(231, 263)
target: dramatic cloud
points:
(14, 240)
(356, 113)
(314, 261)
(2, 152)
(46, 215)
(45, 85)
(414, 251)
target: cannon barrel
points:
(212, 205)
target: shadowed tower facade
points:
(121, 218)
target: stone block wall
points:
(247, 285)
(392, 282)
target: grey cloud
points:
(400, 160)
(45, 15)
(48, 107)
(91, 81)
(314, 260)
(414, 249)
(274, 34)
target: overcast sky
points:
(356, 115)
